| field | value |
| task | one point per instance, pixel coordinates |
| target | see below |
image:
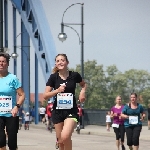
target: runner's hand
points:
(126, 117)
(115, 114)
(142, 118)
(61, 88)
(14, 111)
(120, 117)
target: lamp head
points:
(62, 36)
(14, 55)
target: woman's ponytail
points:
(55, 69)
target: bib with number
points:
(115, 125)
(133, 119)
(5, 104)
(64, 101)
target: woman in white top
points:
(108, 120)
(42, 113)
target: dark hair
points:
(133, 93)
(55, 69)
(5, 55)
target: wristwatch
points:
(18, 105)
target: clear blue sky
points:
(116, 31)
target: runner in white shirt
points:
(27, 120)
(42, 113)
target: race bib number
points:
(114, 125)
(64, 101)
(5, 104)
(133, 119)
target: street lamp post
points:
(62, 37)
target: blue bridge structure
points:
(34, 27)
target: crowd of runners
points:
(64, 112)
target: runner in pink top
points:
(118, 123)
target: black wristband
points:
(18, 105)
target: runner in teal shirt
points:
(8, 87)
(133, 113)
(9, 105)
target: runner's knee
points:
(65, 138)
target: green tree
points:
(104, 86)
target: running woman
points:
(118, 123)
(9, 87)
(62, 85)
(134, 114)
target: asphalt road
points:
(37, 139)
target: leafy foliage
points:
(104, 86)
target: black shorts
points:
(42, 115)
(148, 117)
(59, 115)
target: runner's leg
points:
(68, 128)
(58, 129)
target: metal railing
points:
(98, 117)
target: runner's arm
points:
(49, 92)
(21, 94)
(124, 116)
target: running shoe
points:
(57, 145)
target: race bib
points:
(5, 104)
(133, 119)
(64, 101)
(115, 125)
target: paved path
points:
(91, 138)
(101, 130)
(41, 139)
